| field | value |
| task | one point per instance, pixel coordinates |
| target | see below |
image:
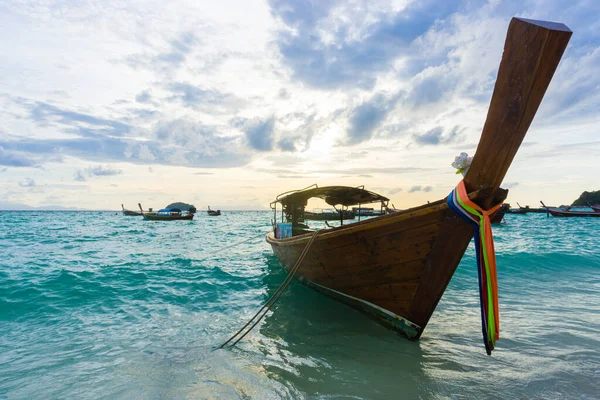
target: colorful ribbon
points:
(459, 202)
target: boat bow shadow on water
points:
(396, 267)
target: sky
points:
(230, 103)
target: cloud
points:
(419, 188)
(177, 52)
(28, 182)
(79, 176)
(366, 172)
(171, 142)
(435, 136)
(386, 190)
(260, 134)
(348, 44)
(15, 159)
(45, 114)
(367, 117)
(296, 130)
(197, 98)
(431, 86)
(144, 97)
(100, 170)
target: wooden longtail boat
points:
(396, 267)
(130, 213)
(166, 215)
(498, 216)
(213, 213)
(561, 212)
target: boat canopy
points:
(333, 195)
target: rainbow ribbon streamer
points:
(459, 202)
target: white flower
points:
(462, 163)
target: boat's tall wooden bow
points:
(532, 52)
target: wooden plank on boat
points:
(532, 52)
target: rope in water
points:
(273, 299)
(211, 253)
(459, 202)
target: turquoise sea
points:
(96, 305)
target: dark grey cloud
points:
(342, 58)
(419, 188)
(28, 182)
(436, 136)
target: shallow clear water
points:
(98, 305)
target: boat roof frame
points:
(332, 195)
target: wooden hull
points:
(520, 211)
(187, 217)
(131, 213)
(214, 213)
(499, 215)
(555, 212)
(394, 267)
(596, 208)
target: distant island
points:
(181, 206)
(587, 197)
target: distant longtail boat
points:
(167, 214)
(130, 213)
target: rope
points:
(459, 202)
(267, 306)
(210, 253)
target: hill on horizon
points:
(587, 197)
(182, 206)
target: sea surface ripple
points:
(97, 305)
